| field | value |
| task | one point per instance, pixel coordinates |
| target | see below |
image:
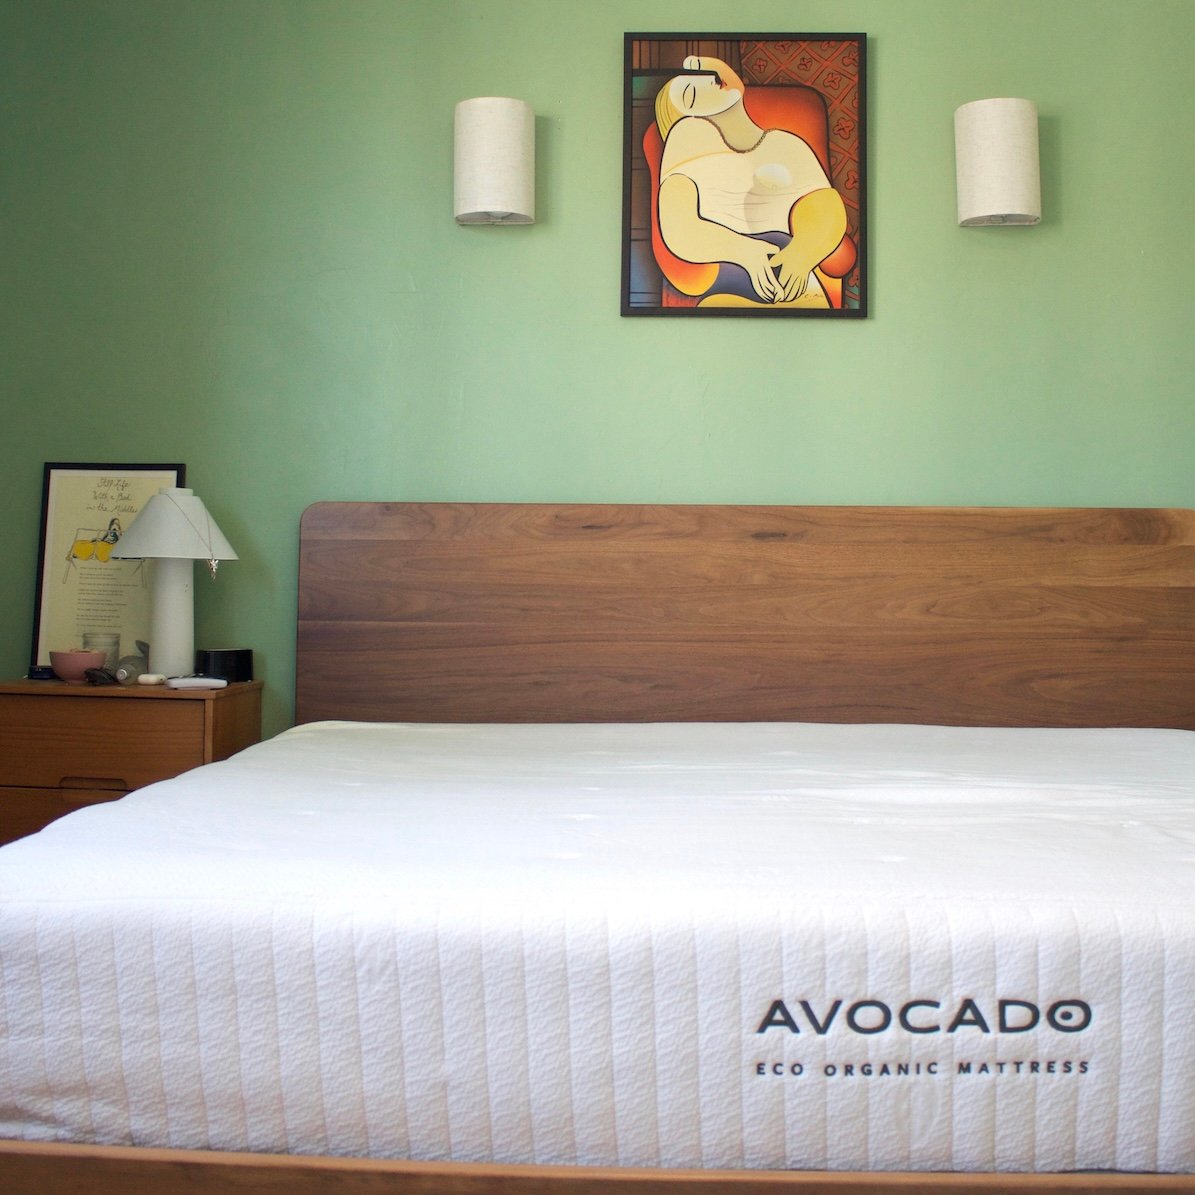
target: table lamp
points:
(172, 531)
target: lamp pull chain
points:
(212, 562)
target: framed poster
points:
(81, 588)
(744, 175)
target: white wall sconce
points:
(172, 531)
(494, 161)
(996, 163)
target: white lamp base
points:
(172, 619)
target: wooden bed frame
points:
(1000, 617)
(478, 612)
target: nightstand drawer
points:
(118, 743)
(26, 810)
(62, 746)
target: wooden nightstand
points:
(62, 746)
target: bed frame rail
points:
(30, 1169)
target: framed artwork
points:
(82, 590)
(744, 175)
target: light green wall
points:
(227, 239)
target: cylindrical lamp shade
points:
(996, 163)
(494, 162)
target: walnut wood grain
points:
(973, 616)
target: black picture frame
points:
(89, 503)
(806, 94)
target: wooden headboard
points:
(971, 616)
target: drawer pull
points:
(92, 782)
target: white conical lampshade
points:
(174, 524)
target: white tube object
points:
(494, 161)
(172, 617)
(996, 162)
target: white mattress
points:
(561, 944)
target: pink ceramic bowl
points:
(71, 666)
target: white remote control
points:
(195, 682)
